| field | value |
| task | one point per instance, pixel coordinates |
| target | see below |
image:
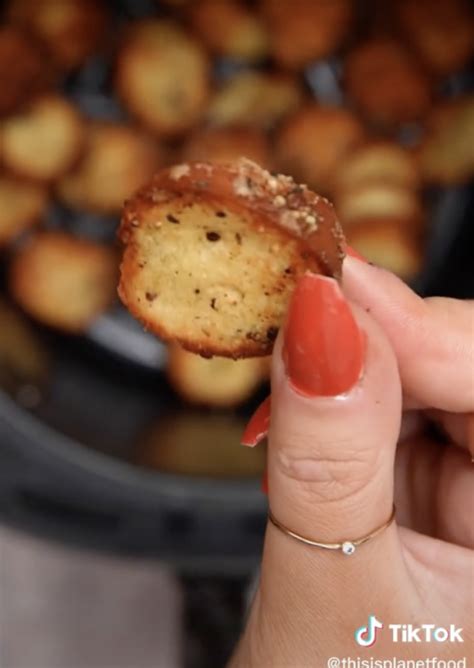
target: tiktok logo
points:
(366, 636)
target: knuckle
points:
(323, 477)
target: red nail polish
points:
(257, 428)
(264, 483)
(353, 253)
(323, 348)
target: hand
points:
(351, 373)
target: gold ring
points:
(347, 547)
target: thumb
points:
(336, 411)
(334, 424)
(335, 420)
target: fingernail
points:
(257, 428)
(353, 253)
(323, 349)
(264, 483)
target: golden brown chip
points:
(216, 382)
(228, 144)
(230, 29)
(200, 445)
(22, 205)
(313, 143)
(378, 162)
(378, 200)
(302, 31)
(24, 69)
(162, 76)
(446, 156)
(255, 99)
(117, 160)
(71, 29)
(44, 141)
(386, 82)
(213, 253)
(388, 243)
(443, 113)
(441, 32)
(62, 281)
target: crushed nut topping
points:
(179, 171)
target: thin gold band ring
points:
(347, 547)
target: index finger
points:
(433, 338)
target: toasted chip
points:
(388, 243)
(230, 29)
(314, 142)
(117, 160)
(162, 76)
(441, 32)
(44, 141)
(378, 162)
(71, 29)
(213, 253)
(200, 445)
(62, 281)
(443, 113)
(378, 201)
(22, 205)
(386, 82)
(302, 31)
(227, 144)
(255, 99)
(24, 69)
(216, 382)
(446, 156)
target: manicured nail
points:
(323, 350)
(264, 483)
(257, 428)
(353, 253)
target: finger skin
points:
(458, 427)
(456, 499)
(432, 338)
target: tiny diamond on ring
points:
(348, 548)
